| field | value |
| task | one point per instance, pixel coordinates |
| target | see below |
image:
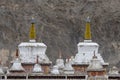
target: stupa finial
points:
(17, 53)
(60, 55)
(88, 19)
(33, 20)
(87, 30)
(37, 59)
(94, 56)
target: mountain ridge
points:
(60, 24)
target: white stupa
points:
(68, 69)
(55, 70)
(29, 50)
(95, 64)
(86, 48)
(96, 70)
(60, 62)
(114, 70)
(37, 67)
(16, 66)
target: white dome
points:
(68, 69)
(60, 63)
(55, 70)
(114, 70)
(37, 69)
(17, 66)
(95, 64)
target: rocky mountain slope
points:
(60, 24)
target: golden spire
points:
(87, 30)
(32, 33)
